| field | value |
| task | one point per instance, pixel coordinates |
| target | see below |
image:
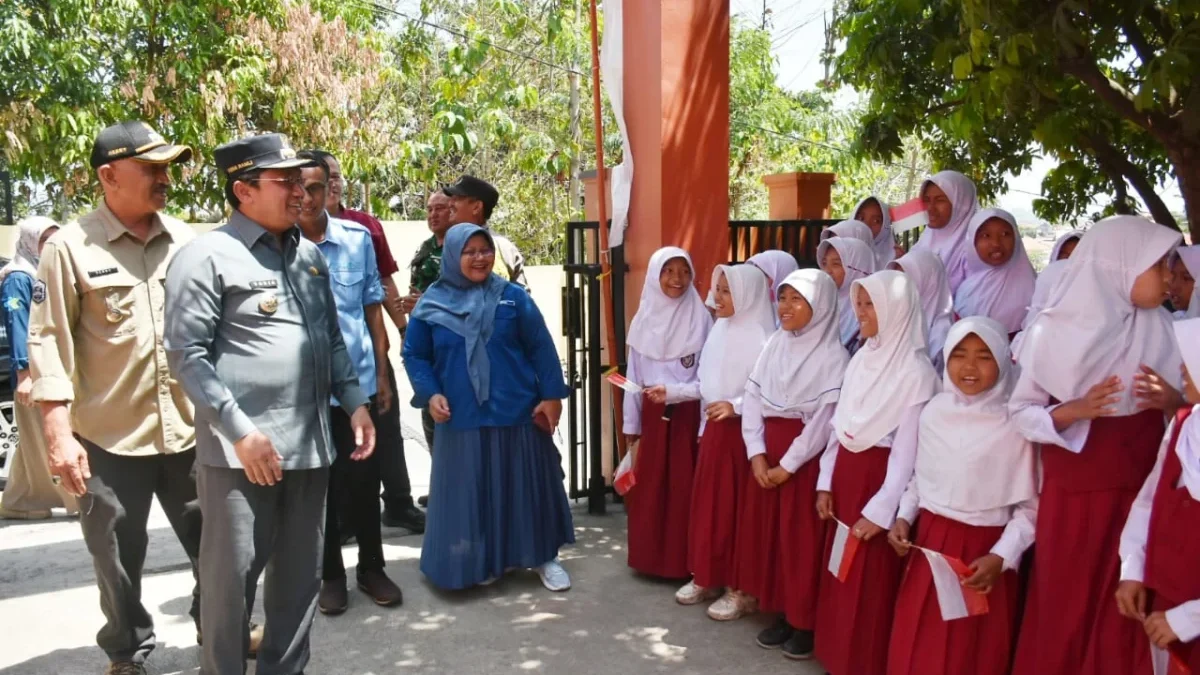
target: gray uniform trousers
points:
(249, 528)
(113, 515)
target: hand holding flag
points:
(909, 215)
(841, 556)
(619, 381)
(955, 600)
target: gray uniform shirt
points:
(252, 335)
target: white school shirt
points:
(1184, 619)
(690, 391)
(1019, 521)
(804, 447)
(648, 372)
(1030, 408)
(881, 509)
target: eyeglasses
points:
(479, 253)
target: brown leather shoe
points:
(333, 599)
(380, 588)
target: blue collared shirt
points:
(354, 277)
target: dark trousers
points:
(353, 486)
(389, 445)
(113, 516)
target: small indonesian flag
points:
(625, 478)
(841, 557)
(911, 214)
(956, 601)
(619, 380)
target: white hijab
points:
(1001, 293)
(851, 229)
(891, 372)
(25, 257)
(1190, 257)
(734, 343)
(885, 241)
(665, 329)
(950, 243)
(1062, 241)
(970, 455)
(1089, 329)
(1187, 448)
(776, 265)
(937, 305)
(858, 261)
(802, 371)
(1041, 292)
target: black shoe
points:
(333, 598)
(799, 647)
(382, 590)
(409, 517)
(776, 635)
(423, 501)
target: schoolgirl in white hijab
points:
(846, 260)
(1159, 550)
(1103, 329)
(1065, 246)
(878, 216)
(744, 322)
(665, 339)
(776, 265)
(866, 467)
(789, 403)
(975, 490)
(937, 304)
(995, 287)
(851, 229)
(1041, 292)
(1185, 265)
(950, 200)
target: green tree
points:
(1105, 86)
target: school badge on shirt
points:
(688, 361)
(39, 291)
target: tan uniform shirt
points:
(96, 331)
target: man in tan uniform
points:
(119, 430)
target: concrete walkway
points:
(611, 622)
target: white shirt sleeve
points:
(828, 461)
(881, 510)
(1185, 620)
(633, 402)
(1030, 408)
(752, 425)
(910, 502)
(811, 441)
(679, 393)
(1018, 534)
(736, 402)
(1137, 524)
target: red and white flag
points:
(619, 380)
(625, 478)
(841, 557)
(909, 215)
(956, 601)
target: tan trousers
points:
(29, 485)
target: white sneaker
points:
(732, 605)
(691, 594)
(554, 576)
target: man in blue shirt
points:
(353, 485)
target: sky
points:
(798, 36)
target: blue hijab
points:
(463, 306)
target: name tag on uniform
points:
(265, 283)
(507, 303)
(102, 273)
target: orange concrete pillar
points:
(792, 196)
(677, 110)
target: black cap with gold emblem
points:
(264, 151)
(136, 140)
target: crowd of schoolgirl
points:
(949, 400)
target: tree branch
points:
(1113, 160)
(1165, 32)
(1138, 40)
(1116, 97)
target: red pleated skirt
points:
(716, 492)
(757, 554)
(1071, 624)
(802, 545)
(657, 507)
(854, 618)
(924, 644)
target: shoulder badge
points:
(39, 291)
(688, 361)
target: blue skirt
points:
(496, 501)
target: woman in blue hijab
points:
(479, 356)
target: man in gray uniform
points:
(252, 335)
